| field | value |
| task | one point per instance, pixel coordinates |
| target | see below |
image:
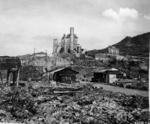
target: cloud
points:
(126, 12)
(147, 17)
(110, 13)
(123, 14)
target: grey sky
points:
(29, 24)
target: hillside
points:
(133, 46)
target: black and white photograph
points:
(74, 61)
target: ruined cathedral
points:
(68, 44)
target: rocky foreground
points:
(76, 104)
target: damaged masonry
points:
(83, 104)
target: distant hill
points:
(23, 56)
(132, 46)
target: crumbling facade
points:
(113, 50)
(68, 44)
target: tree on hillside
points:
(112, 62)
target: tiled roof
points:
(39, 53)
(105, 69)
(59, 69)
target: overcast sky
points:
(29, 24)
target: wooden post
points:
(1, 77)
(18, 77)
(8, 77)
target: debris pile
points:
(89, 63)
(132, 85)
(17, 102)
(30, 71)
(88, 105)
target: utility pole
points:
(46, 58)
(46, 53)
(34, 52)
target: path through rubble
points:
(119, 89)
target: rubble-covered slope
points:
(89, 105)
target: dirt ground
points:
(119, 89)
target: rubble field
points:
(70, 104)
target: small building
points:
(112, 50)
(103, 57)
(63, 75)
(39, 54)
(107, 75)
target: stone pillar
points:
(79, 49)
(55, 43)
(72, 38)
